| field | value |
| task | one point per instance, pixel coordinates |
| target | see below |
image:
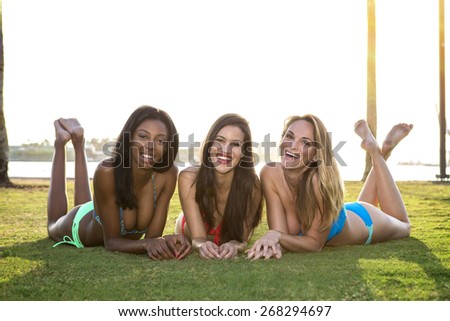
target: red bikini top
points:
(210, 231)
(214, 231)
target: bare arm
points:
(168, 180)
(313, 240)
(178, 244)
(106, 207)
(267, 246)
(194, 219)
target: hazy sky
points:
(99, 60)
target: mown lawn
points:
(416, 268)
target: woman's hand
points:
(266, 247)
(179, 245)
(157, 249)
(229, 250)
(209, 250)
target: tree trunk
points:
(4, 148)
(371, 78)
(442, 121)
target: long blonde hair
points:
(325, 171)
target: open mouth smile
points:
(291, 155)
(146, 158)
(223, 159)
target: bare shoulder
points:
(187, 177)
(170, 174)
(166, 180)
(189, 172)
(271, 171)
(104, 178)
(104, 171)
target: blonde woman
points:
(305, 193)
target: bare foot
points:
(73, 127)
(62, 135)
(368, 143)
(397, 133)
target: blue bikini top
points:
(123, 230)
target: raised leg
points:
(82, 184)
(57, 195)
(388, 194)
(369, 192)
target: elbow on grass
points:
(110, 246)
(309, 249)
(316, 249)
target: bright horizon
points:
(197, 60)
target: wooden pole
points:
(442, 122)
(371, 78)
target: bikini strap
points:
(75, 240)
(66, 240)
(154, 191)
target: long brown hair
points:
(244, 187)
(325, 171)
(125, 197)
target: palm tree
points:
(371, 78)
(4, 149)
(442, 122)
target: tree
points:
(371, 78)
(442, 122)
(4, 149)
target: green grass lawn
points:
(416, 268)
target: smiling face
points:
(226, 151)
(297, 146)
(148, 143)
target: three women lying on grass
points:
(305, 196)
(133, 189)
(222, 198)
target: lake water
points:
(349, 173)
